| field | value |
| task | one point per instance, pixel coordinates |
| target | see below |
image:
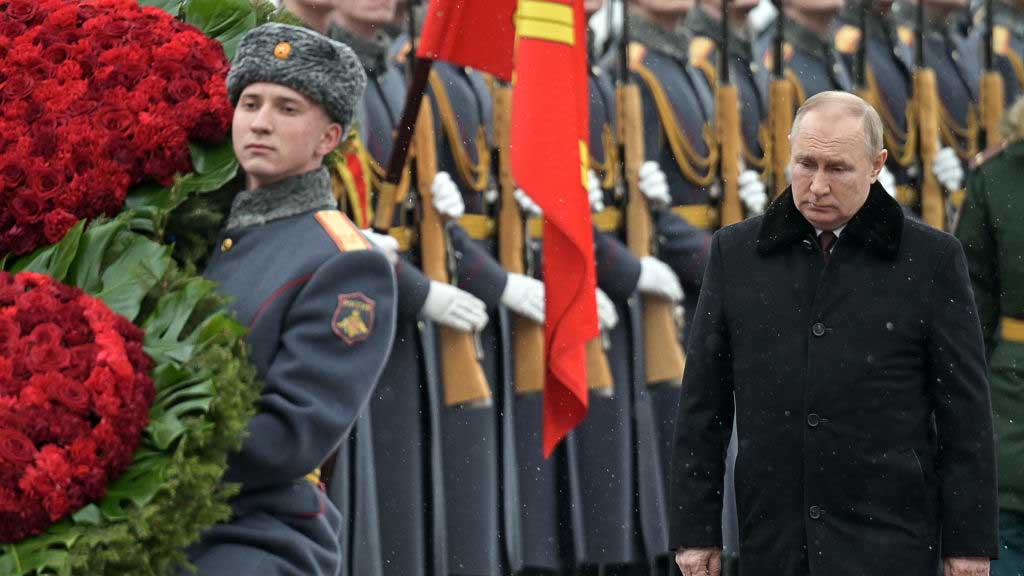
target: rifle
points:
(528, 343)
(463, 377)
(992, 90)
(860, 59)
(663, 352)
(780, 104)
(727, 109)
(926, 97)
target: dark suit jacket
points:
(865, 432)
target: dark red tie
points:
(826, 239)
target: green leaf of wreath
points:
(223, 20)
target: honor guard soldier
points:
(810, 61)
(478, 438)
(991, 229)
(677, 114)
(957, 65)
(888, 86)
(1007, 44)
(405, 409)
(704, 24)
(319, 302)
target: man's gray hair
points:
(852, 104)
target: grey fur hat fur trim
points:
(324, 70)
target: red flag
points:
(475, 33)
(550, 126)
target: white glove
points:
(387, 244)
(454, 308)
(524, 296)
(594, 192)
(948, 170)
(753, 192)
(490, 196)
(657, 279)
(446, 196)
(654, 184)
(715, 190)
(607, 315)
(888, 181)
(528, 206)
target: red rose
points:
(182, 89)
(12, 28)
(168, 69)
(71, 394)
(17, 88)
(45, 145)
(83, 107)
(46, 182)
(21, 10)
(27, 206)
(15, 446)
(114, 120)
(57, 54)
(57, 223)
(10, 332)
(12, 174)
(87, 11)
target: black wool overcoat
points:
(859, 388)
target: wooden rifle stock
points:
(461, 374)
(933, 206)
(780, 119)
(528, 336)
(664, 355)
(727, 107)
(992, 89)
(992, 98)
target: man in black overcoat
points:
(845, 340)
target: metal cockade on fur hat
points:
(324, 70)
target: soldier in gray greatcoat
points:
(319, 302)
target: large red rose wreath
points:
(96, 97)
(75, 393)
(124, 381)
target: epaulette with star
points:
(700, 51)
(637, 52)
(847, 39)
(701, 48)
(402, 55)
(769, 56)
(906, 35)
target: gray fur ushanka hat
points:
(324, 70)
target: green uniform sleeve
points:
(977, 236)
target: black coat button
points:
(814, 512)
(818, 329)
(813, 420)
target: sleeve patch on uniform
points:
(353, 318)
